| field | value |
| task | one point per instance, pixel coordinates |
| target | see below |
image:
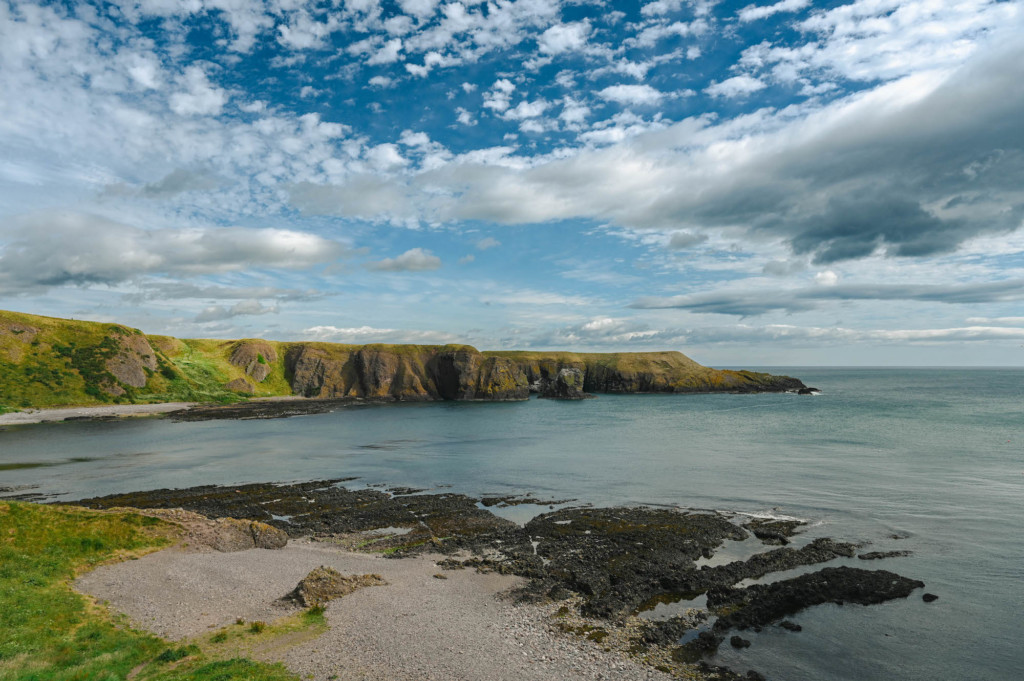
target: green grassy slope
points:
(50, 633)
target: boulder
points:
(324, 584)
(255, 357)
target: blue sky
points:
(780, 183)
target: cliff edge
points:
(51, 362)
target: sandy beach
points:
(416, 627)
(111, 411)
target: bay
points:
(925, 460)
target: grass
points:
(50, 633)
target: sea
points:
(924, 460)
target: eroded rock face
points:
(255, 357)
(408, 373)
(130, 364)
(324, 584)
(566, 385)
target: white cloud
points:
(525, 110)
(422, 9)
(201, 98)
(413, 260)
(737, 86)
(499, 96)
(564, 38)
(381, 82)
(385, 157)
(388, 54)
(487, 243)
(641, 95)
(60, 248)
(826, 278)
(754, 12)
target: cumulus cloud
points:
(413, 260)
(737, 86)
(564, 38)
(640, 95)
(62, 248)
(755, 12)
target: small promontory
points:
(51, 362)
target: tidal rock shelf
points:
(601, 567)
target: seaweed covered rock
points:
(761, 604)
(324, 584)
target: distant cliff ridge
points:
(49, 362)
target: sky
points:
(753, 184)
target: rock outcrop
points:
(133, 358)
(324, 584)
(406, 373)
(566, 385)
(255, 356)
(240, 385)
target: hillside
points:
(50, 362)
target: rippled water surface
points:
(934, 457)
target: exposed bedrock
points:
(761, 604)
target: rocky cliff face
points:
(55, 362)
(406, 373)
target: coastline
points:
(58, 414)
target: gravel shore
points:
(111, 411)
(417, 627)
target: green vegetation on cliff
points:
(50, 633)
(48, 362)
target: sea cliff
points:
(51, 362)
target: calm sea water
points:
(933, 456)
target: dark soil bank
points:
(611, 562)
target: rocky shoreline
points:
(602, 567)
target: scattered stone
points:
(807, 391)
(739, 642)
(791, 626)
(440, 575)
(324, 584)
(929, 598)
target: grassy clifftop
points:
(50, 362)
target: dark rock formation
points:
(566, 385)
(739, 642)
(790, 626)
(324, 584)
(929, 598)
(761, 604)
